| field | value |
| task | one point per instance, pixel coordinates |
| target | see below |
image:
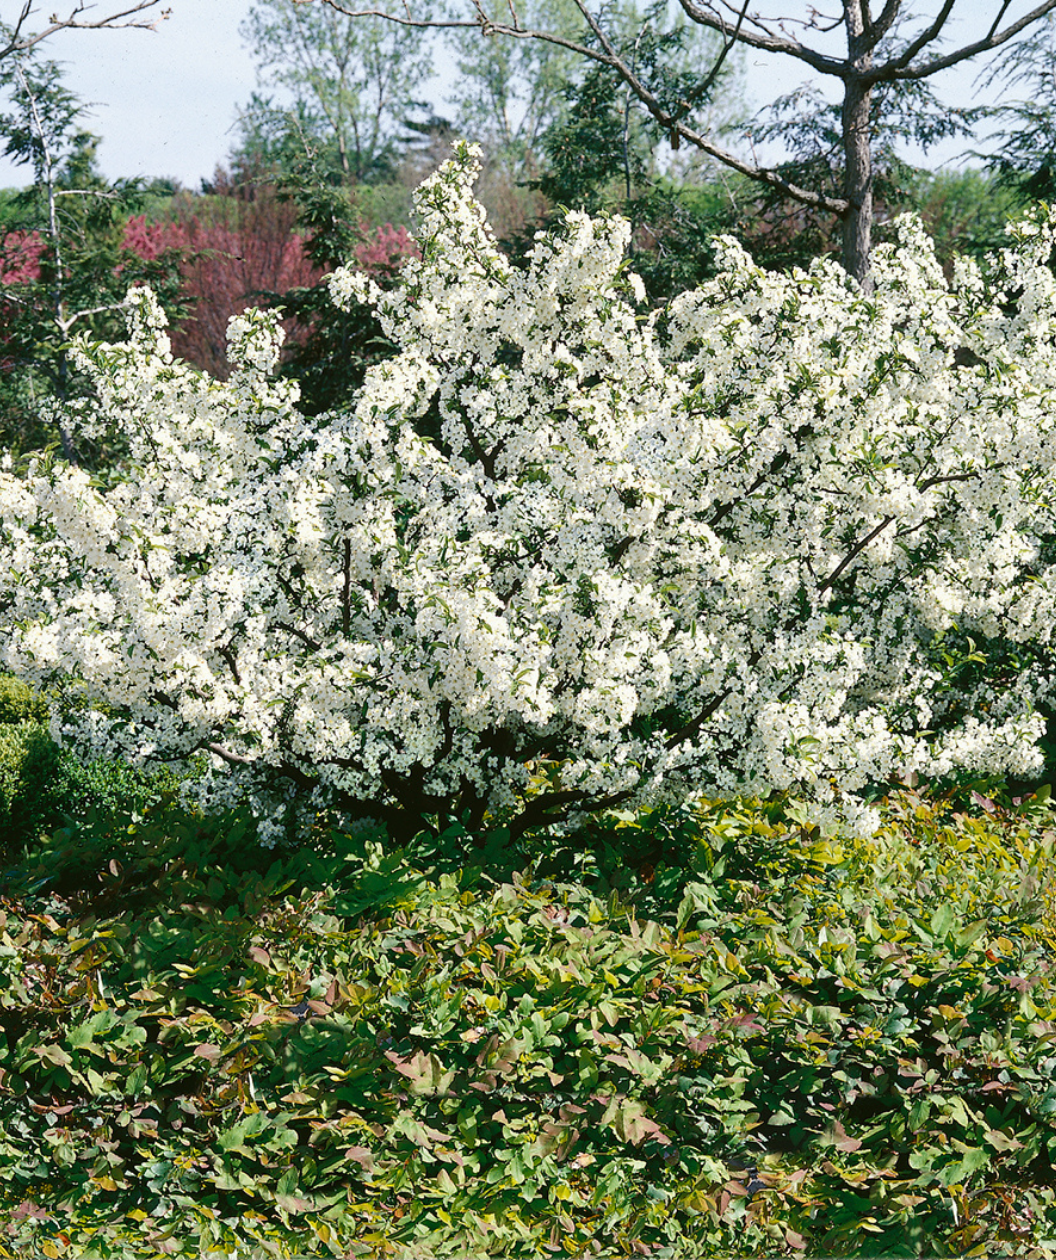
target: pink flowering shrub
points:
(227, 265)
(19, 264)
(385, 249)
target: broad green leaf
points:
(80, 1038)
(424, 1072)
(969, 934)
(942, 920)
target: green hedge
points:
(29, 764)
(42, 788)
(404, 1053)
(20, 703)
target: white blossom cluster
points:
(559, 555)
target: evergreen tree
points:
(63, 265)
(600, 156)
(330, 361)
(1025, 159)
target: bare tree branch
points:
(729, 40)
(1000, 14)
(899, 68)
(736, 25)
(480, 23)
(706, 16)
(608, 56)
(926, 37)
(67, 322)
(878, 29)
(18, 40)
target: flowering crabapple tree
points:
(561, 554)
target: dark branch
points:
(691, 728)
(541, 809)
(878, 29)
(307, 640)
(856, 550)
(926, 37)
(228, 655)
(766, 43)
(346, 589)
(939, 481)
(729, 40)
(776, 464)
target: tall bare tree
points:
(357, 84)
(19, 38)
(877, 53)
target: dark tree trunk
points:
(857, 149)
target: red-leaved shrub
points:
(385, 248)
(235, 249)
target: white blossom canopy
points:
(562, 553)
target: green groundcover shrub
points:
(705, 1034)
(20, 703)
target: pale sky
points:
(165, 102)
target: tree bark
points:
(857, 148)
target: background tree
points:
(784, 232)
(286, 185)
(600, 156)
(351, 84)
(508, 96)
(1025, 158)
(508, 93)
(881, 54)
(964, 212)
(330, 359)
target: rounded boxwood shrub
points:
(42, 785)
(20, 703)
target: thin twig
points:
(17, 42)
